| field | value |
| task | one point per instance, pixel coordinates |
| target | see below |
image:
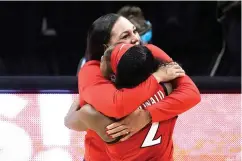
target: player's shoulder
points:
(155, 50)
(158, 52)
(153, 47)
(88, 73)
(150, 46)
(91, 63)
(89, 66)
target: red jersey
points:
(153, 143)
(119, 103)
(94, 145)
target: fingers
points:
(114, 125)
(127, 136)
(180, 75)
(179, 71)
(117, 130)
(168, 72)
(121, 133)
(176, 66)
(170, 66)
(174, 71)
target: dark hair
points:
(135, 15)
(135, 66)
(128, 11)
(99, 34)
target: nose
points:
(135, 39)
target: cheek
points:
(127, 41)
(138, 36)
(113, 40)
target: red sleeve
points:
(158, 53)
(185, 96)
(104, 96)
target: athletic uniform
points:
(153, 143)
(103, 96)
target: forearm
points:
(74, 123)
(95, 121)
(104, 96)
(184, 97)
(74, 106)
(72, 119)
(118, 103)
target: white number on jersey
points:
(149, 139)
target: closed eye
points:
(125, 36)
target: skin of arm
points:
(168, 103)
(87, 116)
(119, 103)
(115, 103)
(72, 116)
(72, 119)
(87, 88)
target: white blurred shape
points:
(15, 143)
(56, 154)
(11, 105)
(53, 108)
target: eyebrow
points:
(126, 31)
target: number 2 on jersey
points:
(149, 139)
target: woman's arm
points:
(185, 96)
(167, 108)
(73, 120)
(103, 95)
(87, 117)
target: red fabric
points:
(103, 95)
(94, 150)
(131, 149)
(184, 96)
(117, 53)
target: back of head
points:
(135, 15)
(128, 11)
(135, 66)
(99, 34)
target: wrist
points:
(157, 78)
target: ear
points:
(113, 78)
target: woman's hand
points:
(130, 125)
(168, 72)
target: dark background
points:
(188, 31)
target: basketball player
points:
(106, 31)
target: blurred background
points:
(49, 38)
